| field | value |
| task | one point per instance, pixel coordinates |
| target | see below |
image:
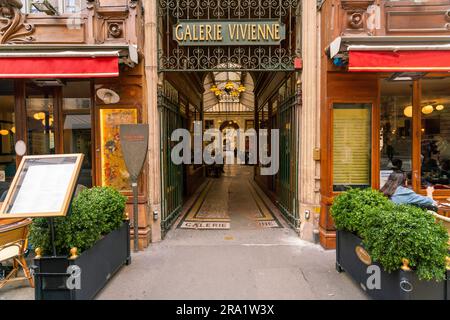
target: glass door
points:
(41, 119)
(7, 136)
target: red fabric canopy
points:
(59, 67)
(400, 61)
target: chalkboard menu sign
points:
(42, 187)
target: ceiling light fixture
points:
(427, 109)
(440, 107)
(408, 111)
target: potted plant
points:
(92, 243)
(392, 251)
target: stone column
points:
(309, 113)
(151, 74)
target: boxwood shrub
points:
(95, 212)
(409, 232)
(350, 208)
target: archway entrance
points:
(228, 65)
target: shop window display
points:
(396, 128)
(77, 125)
(7, 135)
(435, 133)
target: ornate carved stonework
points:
(13, 26)
(115, 29)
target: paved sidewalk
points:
(246, 261)
(216, 264)
(268, 264)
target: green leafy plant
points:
(95, 212)
(409, 232)
(350, 208)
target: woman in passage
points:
(396, 190)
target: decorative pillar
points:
(309, 129)
(151, 73)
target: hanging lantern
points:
(408, 111)
(427, 109)
(241, 88)
(235, 93)
(4, 132)
(229, 86)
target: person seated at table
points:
(396, 190)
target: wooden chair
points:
(13, 243)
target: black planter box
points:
(97, 266)
(398, 285)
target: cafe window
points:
(40, 109)
(62, 6)
(351, 145)
(396, 133)
(435, 133)
(7, 135)
(77, 125)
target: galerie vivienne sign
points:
(228, 32)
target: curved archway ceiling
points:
(225, 103)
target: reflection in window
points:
(62, 6)
(7, 135)
(77, 125)
(351, 145)
(435, 142)
(396, 128)
(40, 119)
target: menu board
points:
(42, 187)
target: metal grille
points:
(172, 175)
(173, 57)
(288, 165)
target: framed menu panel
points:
(43, 186)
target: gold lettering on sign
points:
(219, 33)
(270, 31)
(187, 33)
(177, 33)
(202, 33)
(254, 38)
(231, 32)
(262, 32)
(209, 35)
(277, 32)
(194, 34)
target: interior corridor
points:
(232, 201)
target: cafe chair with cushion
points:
(13, 243)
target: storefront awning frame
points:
(65, 61)
(342, 45)
(128, 54)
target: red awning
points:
(59, 67)
(399, 61)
